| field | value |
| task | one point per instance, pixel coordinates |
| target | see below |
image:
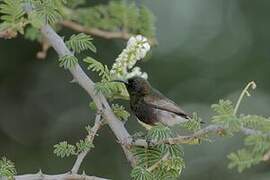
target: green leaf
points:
(68, 61)
(32, 34)
(146, 156)
(84, 145)
(93, 106)
(63, 149)
(12, 10)
(36, 19)
(49, 10)
(120, 112)
(98, 67)
(81, 42)
(193, 124)
(256, 122)
(243, 159)
(259, 142)
(140, 173)
(116, 16)
(147, 22)
(7, 168)
(224, 116)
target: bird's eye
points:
(130, 81)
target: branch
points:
(101, 33)
(189, 138)
(65, 176)
(88, 85)
(90, 137)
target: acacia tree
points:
(158, 154)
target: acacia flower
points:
(136, 49)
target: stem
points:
(251, 84)
(90, 137)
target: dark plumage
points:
(150, 106)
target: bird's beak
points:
(120, 80)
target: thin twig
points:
(101, 33)
(251, 84)
(90, 137)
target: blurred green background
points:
(208, 50)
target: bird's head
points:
(136, 85)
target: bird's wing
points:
(159, 101)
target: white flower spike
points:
(137, 48)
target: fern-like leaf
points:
(63, 149)
(243, 159)
(49, 10)
(84, 145)
(120, 112)
(12, 10)
(96, 66)
(140, 173)
(68, 61)
(7, 168)
(81, 42)
(224, 116)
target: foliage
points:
(49, 10)
(193, 124)
(7, 168)
(63, 149)
(257, 147)
(120, 112)
(159, 162)
(96, 66)
(256, 128)
(225, 117)
(139, 173)
(13, 16)
(115, 16)
(68, 61)
(84, 145)
(13, 11)
(32, 34)
(80, 42)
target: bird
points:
(150, 106)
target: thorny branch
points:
(89, 86)
(65, 176)
(189, 138)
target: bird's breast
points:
(143, 112)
